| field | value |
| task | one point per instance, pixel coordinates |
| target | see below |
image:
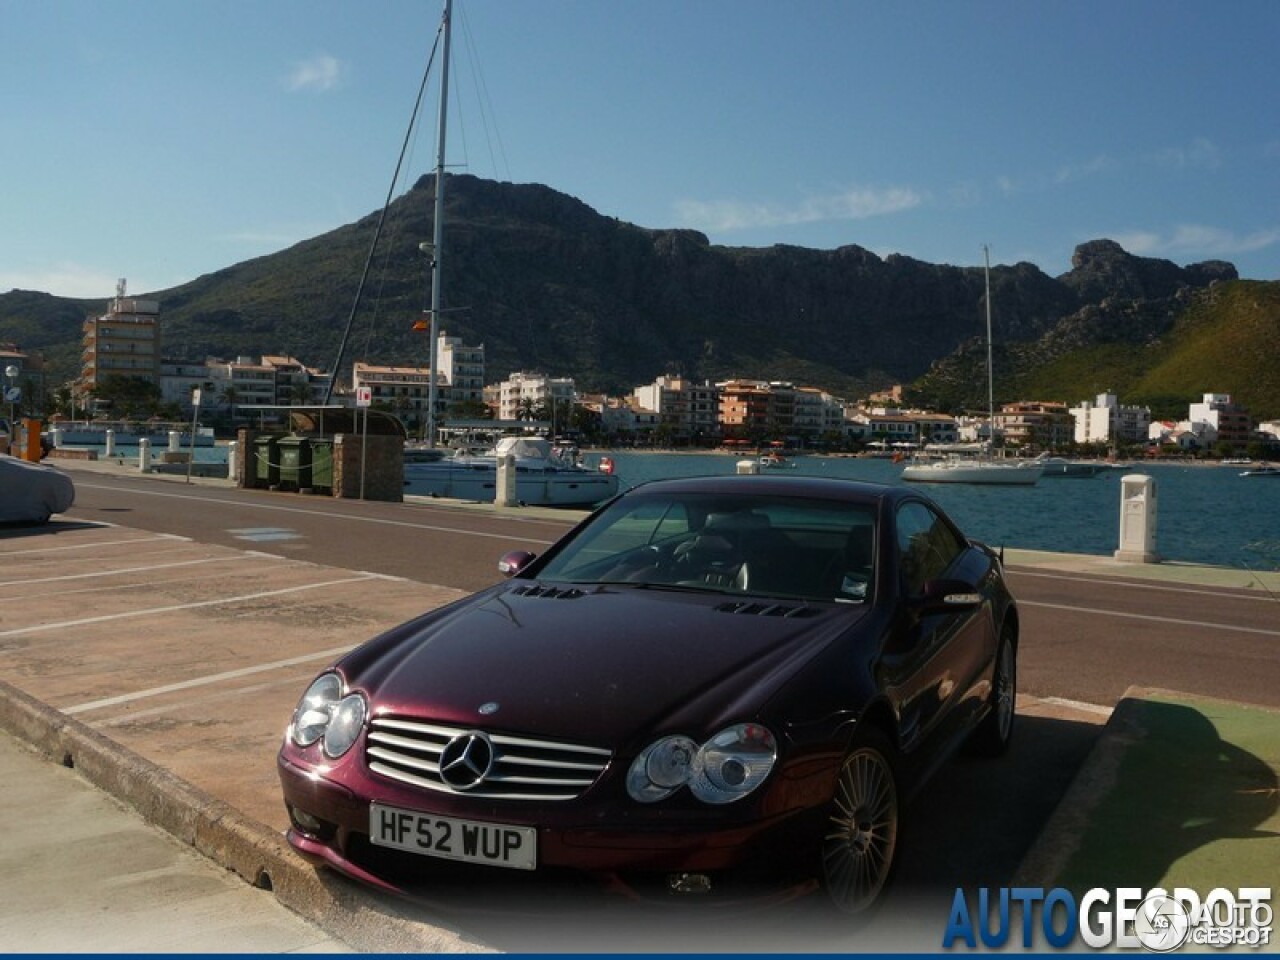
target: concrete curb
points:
(216, 830)
(1060, 837)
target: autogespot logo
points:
(1125, 918)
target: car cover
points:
(32, 492)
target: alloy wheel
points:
(862, 831)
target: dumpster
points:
(295, 462)
(266, 457)
(322, 463)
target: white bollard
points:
(144, 455)
(748, 467)
(1137, 520)
(175, 441)
(111, 443)
(233, 457)
(505, 491)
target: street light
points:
(11, 371)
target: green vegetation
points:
(1226, 341)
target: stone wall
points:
(384, 467)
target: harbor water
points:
(1204, 513)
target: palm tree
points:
(229, 396)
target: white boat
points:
(979, 469)
(125, 433)
(982, 467)
(1263, 471)
(774, 460)
(544, 477)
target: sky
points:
(160, 140)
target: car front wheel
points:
(860, 839)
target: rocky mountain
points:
(546, 283)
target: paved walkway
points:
(79, 872)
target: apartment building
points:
(1219, 420)
(1035, 424)
(1105, 421)
(688, 410)
(124, 341)
(525, 392)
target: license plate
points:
(494, 844)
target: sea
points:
(1204, 513)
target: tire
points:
(994, 733)
(860, 835)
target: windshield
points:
(781, 547)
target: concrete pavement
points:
(81, 871)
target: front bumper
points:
(639, 847)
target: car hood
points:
(599, 664)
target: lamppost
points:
(12, 372)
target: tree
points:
(229, 396)
(128, 397)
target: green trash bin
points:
(266, 467)
(295, 462)
(322, 463)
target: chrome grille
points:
(523, 768)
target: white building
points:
(690, 410)
(525, 392)
(1105, 421)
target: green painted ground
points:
(1195, 800)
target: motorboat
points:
(773, 459)
(1264, 471)
(544, 475)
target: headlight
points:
(733, 763)
(324, 712)
(726, 768)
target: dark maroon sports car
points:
(707, 680)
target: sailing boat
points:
(983, 468)
(544, 476)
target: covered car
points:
(707, 681)
(32, 492)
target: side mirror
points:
(950, 596)
(515, 561)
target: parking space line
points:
(96, 543)
(206, 680)
(46, 627)
(112, 573)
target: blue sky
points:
(160, 140)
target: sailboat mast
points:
(437, 233)
(991, 392)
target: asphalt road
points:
(1086, 638)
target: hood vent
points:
(756, 608)
(538, 590)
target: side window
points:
(926, 546)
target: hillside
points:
(545, 282)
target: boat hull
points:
(999, 474)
